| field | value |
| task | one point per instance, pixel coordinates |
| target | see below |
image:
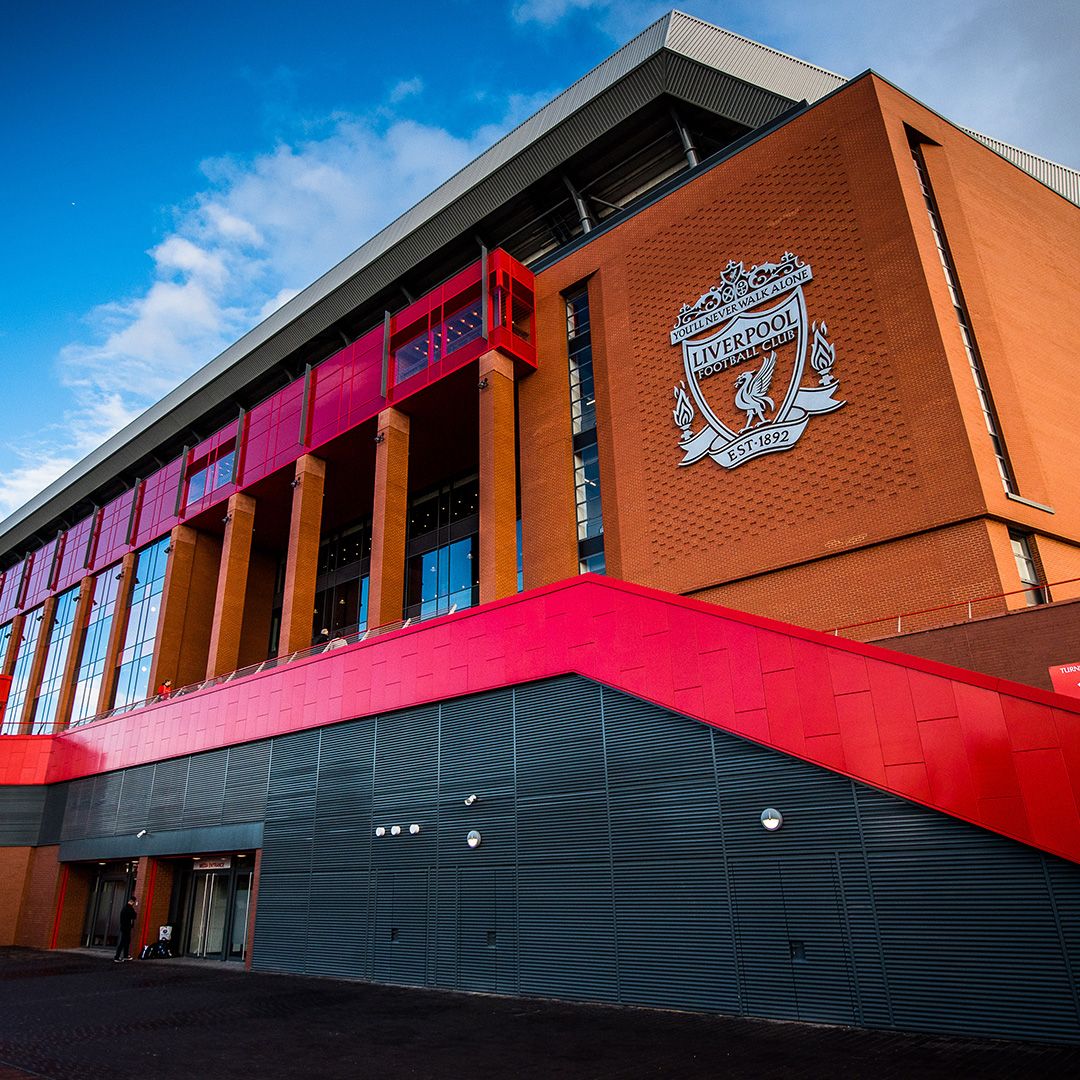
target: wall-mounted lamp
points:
(414, 829)
(141, 833)
(380, 436)
(395, 830)
(482, 384)
(294, 482)
(471, 799)
(771, 819)
(227, 518)
(474, 839)
(168, 548)
(380, 831)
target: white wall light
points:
(380, 831)
(771, 819)
(473, 839)
(395, 830)
(414, 829)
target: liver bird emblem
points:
(752, 391)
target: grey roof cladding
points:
(678, 54)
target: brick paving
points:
(77, 1016)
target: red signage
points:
(1066, 679)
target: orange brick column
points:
(386, 594)
(187, 608)
(70, 681)
(231, 586)
(37, 665)
(302, 559)
(153, 890)
(498, 479)
(117, 631)
(11, 654)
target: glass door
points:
(241, 902)
(210, 903)
(114, 883)
(216, 904)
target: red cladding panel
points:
(967, 764)
(345, 390)
(73, 556)
(112, 542)
(37, 587)
(273, 433)
(158, 515)
(9, 594)
(24, 759)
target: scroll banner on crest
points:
(729, 452)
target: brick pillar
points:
(386, 591)
(232, 582)
(153, 890)
(37, 665)
(117, 631)
(187, 608)
(498, 480)
(70, 681)
(302, 559)
(12, 652)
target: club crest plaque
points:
(747, 345)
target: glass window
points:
(590, 518)
(196, 486)
(342, 583)
(1023, 550)
(443, 579)
(133, 680)
(411, 358)
(462, 327)
(95, 645)
(20, 675)
(63, 630)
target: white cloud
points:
(259, 232)
(406, 88)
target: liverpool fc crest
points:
(746, 377)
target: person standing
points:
(127, 922)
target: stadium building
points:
(633, 575)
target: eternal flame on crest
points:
(764, 339)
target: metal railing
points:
(273, 662)
(935, 618)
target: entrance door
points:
(112, 886)
(209, 910)
(793, 946)
(216, 909)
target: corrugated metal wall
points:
(623, 860)
(218, 788)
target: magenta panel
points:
(9, 593)
(157, 514)
(24, 759)
(273, 433)
(345, 390)
(112, 542)
(965, 764)
(37, 587)
(74, 553)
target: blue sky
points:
(175, 171)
